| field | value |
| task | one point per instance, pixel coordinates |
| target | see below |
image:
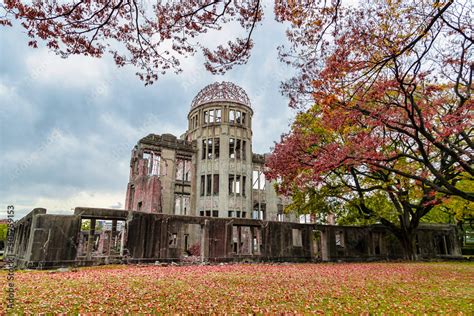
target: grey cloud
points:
(68, 126)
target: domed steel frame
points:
(221, 92)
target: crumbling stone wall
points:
(43, 240)
(153, 167)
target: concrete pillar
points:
(122, 238)
(113, 234)
(252, 235)
(90, 240)
(205, 241)
(311, 242)
(239, 239)
(164, 239)
(324, 246)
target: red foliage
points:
(150, 38)
(388, 85)
(360, 288)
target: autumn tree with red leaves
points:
(385, 91)
(151, 38)
(307, 162)
(401, 71)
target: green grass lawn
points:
(251, 288)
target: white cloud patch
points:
(74, 72)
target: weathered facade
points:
(203, 197)
(212, 171)
(46, 241)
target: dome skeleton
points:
(221, 91)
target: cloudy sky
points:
(67, 125)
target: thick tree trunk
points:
(406, 236)
(407, 241)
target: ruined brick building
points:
(204, 196)
(211, 170)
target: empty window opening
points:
(192, 234)
(340, 239)
(209, 213)
(256, 214)
(246, 240)
(297, 237)
(242, 240)
(238, 118)
(257, 240)
(258, 180)
(281, 217)
(182, 203)
(100, 237)
(237, 214)
(231, 147)
(211, 116)
(237, 148)
(218, 115)
(186, 242)
(210, 148)
(173, 240)
(236, 183)
(209, 185)
(153, 163)
(183, 170)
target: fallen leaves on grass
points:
(256, 288)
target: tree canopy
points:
(150, 38)
(385, 94)
(399, 74)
